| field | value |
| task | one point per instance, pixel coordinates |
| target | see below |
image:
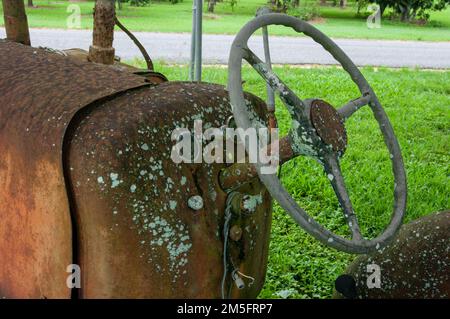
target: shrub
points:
(307, 11)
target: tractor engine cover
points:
(86, 178)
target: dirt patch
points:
(317, 20)
(420, 22)
(211, 16)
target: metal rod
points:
(16, 22)
(265, 32)
(270, 93)
(192, 61)
(101, 50)
(198, 41)
(141, 48)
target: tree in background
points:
(211, 5)
(133, 3)
(30, 3)
(283, 5)
(305, 10)
(408, 10)
(139, 3)
(361, 4)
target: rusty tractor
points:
(86, 175)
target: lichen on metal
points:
(195, 202)
(136, 145)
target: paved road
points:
(175, 47)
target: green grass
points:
(165, 17)
(418, 104)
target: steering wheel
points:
(318, 131)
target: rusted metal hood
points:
(31, 79)
(40, 93)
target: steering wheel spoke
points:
(287, 96)
(354, 105)
(334, 174)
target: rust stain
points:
(40, 93)
(328, 125)
(35, 233)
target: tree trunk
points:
(323, 2)
(382, 9)
(30, 3)
(405, 13)
(211, 5)
(101, 50)
(16, 23)
(342, 3)
(281, 6)
(295, 3)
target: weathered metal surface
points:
(151, 76)
(90, 143)
(241, 173)
(16, 22)
(139, 238)
(415, 265)
(40, 92)
(328, 124)
(101, 50)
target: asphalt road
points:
(175, 47)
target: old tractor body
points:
(92, 198)
(87, 178)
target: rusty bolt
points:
(236, 232)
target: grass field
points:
(165, 17)
(418, 104)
